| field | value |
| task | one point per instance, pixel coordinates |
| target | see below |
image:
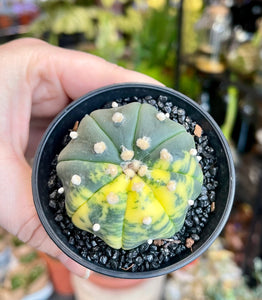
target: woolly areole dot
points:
(112, 170)
(112, 198)
(143, 143)
(143, 170)
(138, 186)
(165, 155)
(147, 220)
(135, 165)
(129, 172)
(171, 186)
(127, 154)
(161, 116)
(117, 117)
(193, 152)
(99, 147)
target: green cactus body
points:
(129, 175)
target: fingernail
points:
(87, 274)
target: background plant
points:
(139, 34)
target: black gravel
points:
(146, 256)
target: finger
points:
(47, 245)
(57, 75)
(74, 267)
(87, 72)
(93, 72)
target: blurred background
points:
(209, 50)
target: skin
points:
(37, 81)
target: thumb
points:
(88, 72)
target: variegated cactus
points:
(129, 175)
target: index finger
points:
(88, 72)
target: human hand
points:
(37, 81)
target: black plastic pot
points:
(51, 145)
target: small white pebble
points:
(112, 198)
(99, 147)
(129, 172)
(143, 143)
(165, 155)
(76, 179)
(171, 186)
(150, 241)
(127, 154)
(73, 135)
(167, 115)
(61, 190)
(138, 186)
(112, 170)
(199, 157)
(96, 227)
(114, 104)
(190, 202)
(161, 116)
(193, 152)
(143, 170)
(147, 220)
(117, 117)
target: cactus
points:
(129, 175)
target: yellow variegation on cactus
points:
(129, 175)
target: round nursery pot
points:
(215, 211)
(113, 283)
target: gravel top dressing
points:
(154, 253)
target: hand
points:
(37, 81)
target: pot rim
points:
(118, 273)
